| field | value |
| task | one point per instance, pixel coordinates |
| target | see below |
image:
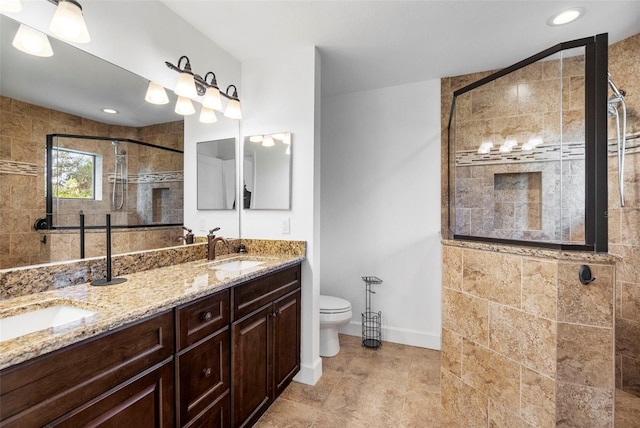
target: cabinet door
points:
(250, 368)
(286, 355)
(146, 401)
(203, 372)
(215, 417)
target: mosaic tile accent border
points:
(542, 153)
(152, 177)
(18, 168)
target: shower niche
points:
(138, 184)
(528, 151)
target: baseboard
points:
(309, 374)
(398, 335)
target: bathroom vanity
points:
(215, 349)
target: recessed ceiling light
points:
(110, 110)
(565, 17)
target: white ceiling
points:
(373, 44)
(364, 45)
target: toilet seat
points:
(333, 305)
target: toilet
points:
(335, 313)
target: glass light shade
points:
(233, 110)
(505, 148)
(186, 86)
(267, 141)
(212, 99)
(184, 106)
(156, 94)
(10, 6)
(207, 115)
(32, 41)
(566, 17)
(535, 141)
(511, 143)
(68, 23)
(255, 138)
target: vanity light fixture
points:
(184, 106)
(68, 22)
(156, 94)
(256, 138)
(565, 17)
(31, 41)
(191, 85)
(233, 110)
(10, 6)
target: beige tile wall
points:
(523, 342)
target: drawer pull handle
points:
(206, 372)
(206, 316)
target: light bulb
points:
(186, 86)
(268, 141)
(68, 22)
(32, 41)
(184, 106)
(156, 94)
(233, 110)
(212, 99)
(207, 115)
(10, 6)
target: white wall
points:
(380, 207)
(281, 93)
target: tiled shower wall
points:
(624, 223)
(23, 130)
(523, 342)
(527, 103)
(624, 240)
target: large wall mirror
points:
(217, 174)
(267, 172)
(65, 94)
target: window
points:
(73, 174)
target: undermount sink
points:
(58, 318)
(237, 265)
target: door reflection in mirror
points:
(216, 174)
(267, 172)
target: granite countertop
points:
(143, 294)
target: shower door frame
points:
(596, 164)
(49, 184)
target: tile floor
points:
(394, 386)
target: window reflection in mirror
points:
(216, 174)
(267, 172)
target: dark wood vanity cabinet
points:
(215, 362)
(265, 337)
(107, 379)
(202, 362)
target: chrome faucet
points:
(212, 240)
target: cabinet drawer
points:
(199, 319)
(145, 401)
(203, 375)
(249, 297)
(38, 391)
